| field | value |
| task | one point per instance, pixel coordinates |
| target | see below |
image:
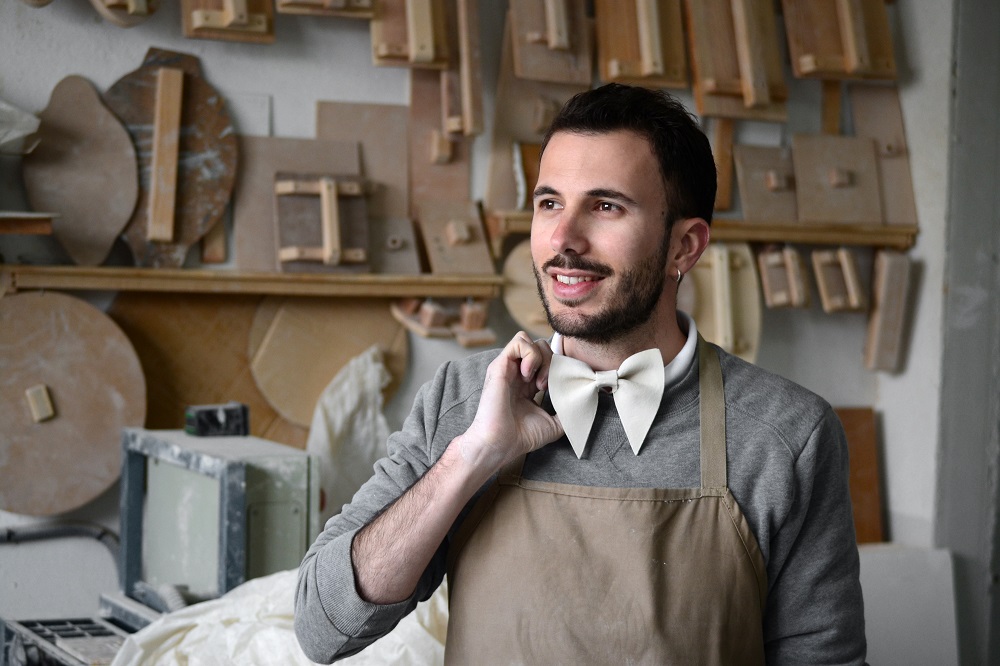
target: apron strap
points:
(713, 417)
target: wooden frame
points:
(782, 278)
(837, 278)
(641, 42)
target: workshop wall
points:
(275, 88)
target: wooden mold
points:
(229, 20)
(878, 116)
(641, 42)
(552, 41)
(782, 278)
(321, 222)
(837, 277)
(887, 321)
(206, 154)
(125, 13)
(843, 39)
(361, 9)
(836, 179)
(85, 169)
(766, 181)
(454, 237)
(410, 33)
(736, 60)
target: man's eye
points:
(547, 204)
(608, 207)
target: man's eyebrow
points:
(542, 190)
(604, 193)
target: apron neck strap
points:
(713, 417)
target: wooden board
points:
(85, 169)
(540, 55)
(253, 199)
(861, 428)
(208, 154)
(520, 292)
(717, 79)
(470, 71)
(766, 181)
(454, 237)
(430, 181)
(836, 179)
(622, 39)
(877, 115)
(298, 222)
(34, 224)
(517, 119)
(95, 384)
(381, 129)
(887, 321)
(256, 26)
(193, 350)
(839, 40)
(360, 9)
(394, 248)
(391, 40)
(298, 345)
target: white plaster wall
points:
(316, 59)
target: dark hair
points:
(681, 148)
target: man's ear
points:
(689, 239)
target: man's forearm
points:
(391, 553)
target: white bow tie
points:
(637, 386)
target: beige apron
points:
(550, 573)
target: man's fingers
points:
(528, 354)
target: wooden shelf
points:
(79, 278)
(502, 223)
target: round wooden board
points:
(193, 349)
(207, 155)
(84, 169)
(298, 345)
(520, 292)
(96, 386)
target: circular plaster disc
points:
(71, 352)
(298, 345)
(520, 292)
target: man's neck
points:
(662, 333)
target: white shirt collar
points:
(679, 365)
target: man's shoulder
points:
(459, 379)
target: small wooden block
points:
(641, 42)
(40, 403)
(782, 278)
(229, 20)
(123, 13)
(471, 255)
(36, 224)
(551, 41)
(457, 232)
(890, 287)
(824, 191)
(839, 40)
(166, 143)
(412, 323)
(433, 315)
(441, 147)
(472, 315)
(481, 337)
(213, 244)
(392, 41)
(837, 278)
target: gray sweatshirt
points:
(787, 468)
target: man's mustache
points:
(572, 262)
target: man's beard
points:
(630, 306)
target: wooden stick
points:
(166, 145)
(722, 147)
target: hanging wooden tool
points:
(782, 278)
(887, 321)
(205, 154)
(361, 9)
(842, 39)
(410, 33)
(84, 168)
(229, 20)
(837, 277)
(551, 41)
(321, 223)
(766, 180)
(641, 42)
(470, 74)
(71, 381)
(836, 179)
(454, 237)
(125, 13)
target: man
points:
(630, 494)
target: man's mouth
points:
(566, 279)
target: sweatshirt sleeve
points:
(331, 619)
(815, 611)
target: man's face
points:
(598, 235)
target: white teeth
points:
(572, 280)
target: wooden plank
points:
(766, 181)
(723, 130)
(455, 239)
(846, 39)
(836, 179)
(877, 115)
(861, 428)
(552, 41)
(394, 46)
(641, 42)
(470, 67)
(166, 144)
(36, 224)
(85, 169)
(229, 20)
(830, 107)
(887, 321)
(253, 204)
(752, 23)
(208, 155)
(359, 9)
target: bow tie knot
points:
(637, 386)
